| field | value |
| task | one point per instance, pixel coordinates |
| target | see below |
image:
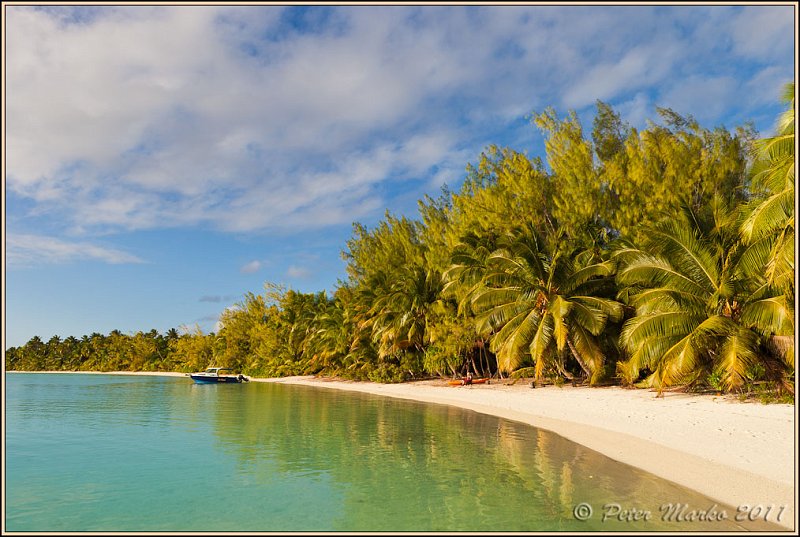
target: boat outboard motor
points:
(242, 378)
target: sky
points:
(162, 161)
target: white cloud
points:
(295, 271)
(140, 117)
(156, 122)
(639, 67)
(703, 97)
(766, 86)
(216, 298)
(27, 250)
(762, 33)
(636, 111)
(251, 267)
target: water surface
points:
(129, 453)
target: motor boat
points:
(215, 375)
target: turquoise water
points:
(128, 453)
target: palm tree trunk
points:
(561, 369)
(782, 347)
(577, 356)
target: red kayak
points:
(461, 382)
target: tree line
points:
(657, 257)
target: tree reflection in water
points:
(398, 465)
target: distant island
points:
(654, 258)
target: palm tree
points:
(329, 339)
(536, 302)
(400, 309)
(770, 218)
(340, 335)
(698, 309)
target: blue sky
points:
(162, 161)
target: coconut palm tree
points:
(770, 216)
(538, 302)
(330, 337)
(400, 309)
(699, 311)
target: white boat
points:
(213, 375)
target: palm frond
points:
(587, 273)
(775, 147)
(773, 315)
(541, 342)
(687, 253)
(592, 319)
(628, 370)
(650, 355)
(781, 267)
(559, 309)
(640, 330)
(654, 272)
(590, 352)
(774, 175)
(660, 299)
(491, 297)
(496, 318)
(714, 326)
(783, 347)
(738, 353)
(611, 308)
(755, 257)
(514, 339)
(678, 365)
(768, 215)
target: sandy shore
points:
(735, 453)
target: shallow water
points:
(127, 453)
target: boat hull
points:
(462, 383)
(200, 379)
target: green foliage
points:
(194, 351)
(698, 311)
(664, 256)
(769, 217)
(116, 351)
(578, 201)
(393, 292)
(609, 133)
(541, 304)
(452, 342)
(393, 243)
(505, 192)
(666, 166)
(715, 382)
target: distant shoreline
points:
(735, 453)
(135, 373)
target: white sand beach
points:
(736, 453)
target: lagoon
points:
(128, 453)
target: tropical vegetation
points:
(659, 258)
